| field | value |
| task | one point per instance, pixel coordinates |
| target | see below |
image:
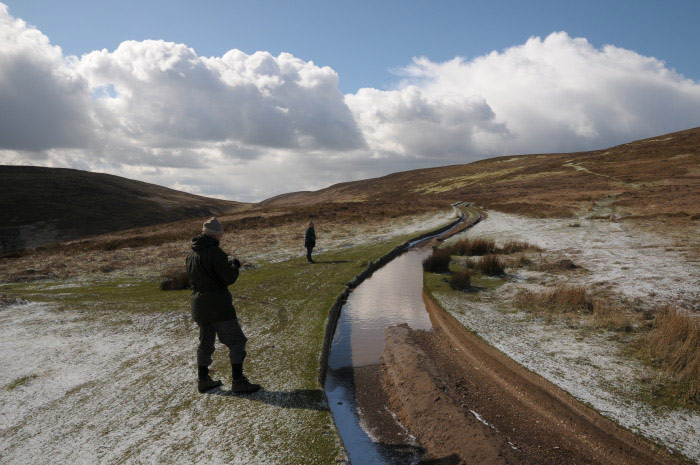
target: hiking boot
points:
(243, 386)
(203, 385)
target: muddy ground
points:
(461, 401)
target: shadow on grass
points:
(330, 262)
(306, 399)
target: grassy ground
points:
(150, 372)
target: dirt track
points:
(465, 402)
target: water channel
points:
(392, 295)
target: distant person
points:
(210, 274)
(310, 241)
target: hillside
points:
(662, 173)
(44, 205)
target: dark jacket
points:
(210, 275)
(310, 239)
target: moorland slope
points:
(44, 205)
(660, 174)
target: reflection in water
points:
(392, 295)
(340, 388)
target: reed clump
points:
(518, 246)
(491, 265)
(474, 247)
(439, 261)
(480, 247)
(461, 280)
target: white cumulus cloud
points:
(562, 94)
(249, 126)
(43, 100)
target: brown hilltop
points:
(660, 174)
(44, 205)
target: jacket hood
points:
(203, 242)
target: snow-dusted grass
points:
(100, 368)
(108, 387)
(618, 259)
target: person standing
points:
(210, 273)
(310, 241)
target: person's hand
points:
(235, 262)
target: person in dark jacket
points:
(310, 241)
(210, 273)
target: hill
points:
(44, 205)
(660, 174)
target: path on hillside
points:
(466, 402)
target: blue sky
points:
(246, 100)
(364, 40)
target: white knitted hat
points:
(212, 227)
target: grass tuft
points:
(674, 344)
(473, 247)
(439, 261)
(481, 247)
(491, 265)
(175, 280)
(461, 280)
(518, 246)
(612, 317)
(563, 299)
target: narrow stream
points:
(392, 295)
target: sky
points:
(245, 100)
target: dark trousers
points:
(230, 334)
(308, 252)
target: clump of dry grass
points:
(439, 261)
(461, 280)
(480, 247)
(491, 265)
(674, 344)
(474, 247)
(175, 280)
(576, 299)
(518, 246)
(560, 265)
(518, 261)
(613, 317)
(563, 299)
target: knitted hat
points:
(213, 227)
